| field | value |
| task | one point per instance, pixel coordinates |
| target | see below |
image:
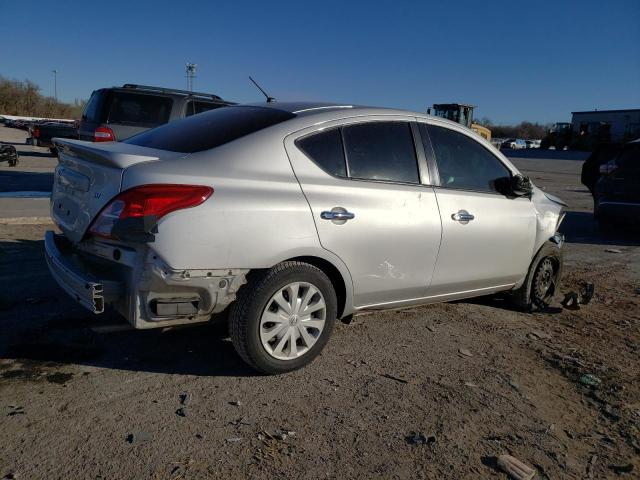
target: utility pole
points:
(55, 84)
(191, 74)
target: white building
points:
(619, 124)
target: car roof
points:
(324, 111)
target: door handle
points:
(337, 215)
(462, 216)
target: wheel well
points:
(334, 275)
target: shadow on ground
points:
(41, 327)
(18, 181)
(581, 227)
(36, 154)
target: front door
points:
(363, 184)
(487, 238)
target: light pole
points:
(55, 84)
(191, 74)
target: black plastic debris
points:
(419, 438)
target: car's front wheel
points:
(542, 281)
(283, 317)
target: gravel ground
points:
(427, 392)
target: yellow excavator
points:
(460, 113)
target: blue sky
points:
(516, 60)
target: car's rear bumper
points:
(138, 284)
(76, 279)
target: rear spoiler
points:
(110, 154)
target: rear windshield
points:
(210, 129)
(138, 109)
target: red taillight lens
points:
(148, 201)
(104, 134)
(36, 132)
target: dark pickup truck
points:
(40, 134)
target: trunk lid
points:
(87, 177)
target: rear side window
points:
(381, 151)
(210, 129)
(325, 149)
(194, 107)
(91, 113)
(464, 163)
(138, 109)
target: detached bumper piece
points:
(75, 277)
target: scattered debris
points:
(570, 301)
(139, 437)
(469, 384)
(612, 250)
(282, 434)
(242, 421)
(235, 403)
(586, 294)
(590, 380)
(465, 352)
(626, 468)
(185, 399)
(637, 291)
(181, 412)
(233, 439)
(419, 438)
(432, 329)
(515, 468)
(391, 377)
(539, 334)
(15, 411)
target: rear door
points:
(362, 180)
(487, 238)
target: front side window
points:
(325, 149)
(381, 151)
(463, 162)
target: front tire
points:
(283, 318)
(542, 281)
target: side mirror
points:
(514, 186)
(521, 186)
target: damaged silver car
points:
(285, 217)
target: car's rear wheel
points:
(542, 281)
(283, 317)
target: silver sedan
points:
(282, 218)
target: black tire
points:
(542, 281)
(245, 314)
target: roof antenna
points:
(269, 97)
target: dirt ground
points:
(429, 392)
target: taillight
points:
(36, 132)
(147, 201)
(104, 134)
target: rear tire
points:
(269, 323)
(542, 281)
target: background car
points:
(289, 216)
(617, 191)
(118, 113)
